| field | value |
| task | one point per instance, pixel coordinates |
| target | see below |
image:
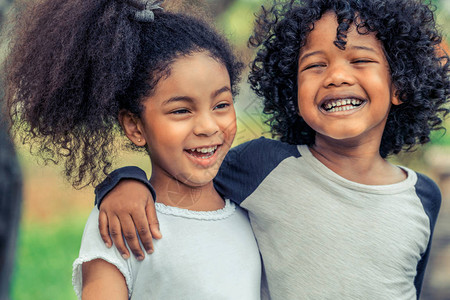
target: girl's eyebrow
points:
(190, 100)
(177, 99)
(221, 90)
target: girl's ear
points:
(133, 127)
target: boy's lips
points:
(343, 103)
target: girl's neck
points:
(172, 192)
(357, 162)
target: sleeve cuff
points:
(113, 179)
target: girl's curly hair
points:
(419, 67)
(73, 64)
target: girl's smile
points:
(204, 156)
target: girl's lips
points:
(202, 158)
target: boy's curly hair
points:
(73, 64)
(406, 28)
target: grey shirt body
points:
(322, 236)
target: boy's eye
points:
(362, 61)
(313, 66)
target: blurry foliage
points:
(45, 257)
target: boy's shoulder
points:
(263, 149)
(429, 194)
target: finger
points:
(143, 229)
(153, 222)
(129, 232)
(115, 231)
(103, 228)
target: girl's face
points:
(344, 94)
(189, 122)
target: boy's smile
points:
(344, 94)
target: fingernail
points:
(150, 251)
(125, 256)
(140, 258)
(108, 245)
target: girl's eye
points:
(222, 105)
(180, 111)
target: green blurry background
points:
(54, 213)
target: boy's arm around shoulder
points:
(126, 196)
(430, 196)
(126, 203)
(247, 165)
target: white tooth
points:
(349, 101)
(338, 103)
(353, 101)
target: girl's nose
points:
(205, 125)
(337, 75)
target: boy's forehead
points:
(325, 32)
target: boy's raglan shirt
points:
(324, 237)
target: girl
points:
(80, 70)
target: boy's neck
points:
(171, 192)
(356, 162)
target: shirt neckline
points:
(213, 215)
(323, 170)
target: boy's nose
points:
(338, 75)
(205, 125)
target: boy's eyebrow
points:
(352, 47)
(309, 54)
(220, 91)
(363, 48)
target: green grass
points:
(44, 260)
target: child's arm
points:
(119, 217)
(102, 280)
(128, 202)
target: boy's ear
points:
(395, 100)
(133, 127)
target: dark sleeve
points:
(113, 179)
(430, 196)
(247, 165)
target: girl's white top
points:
(202, 255)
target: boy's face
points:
(189, 122)
(344, 94)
